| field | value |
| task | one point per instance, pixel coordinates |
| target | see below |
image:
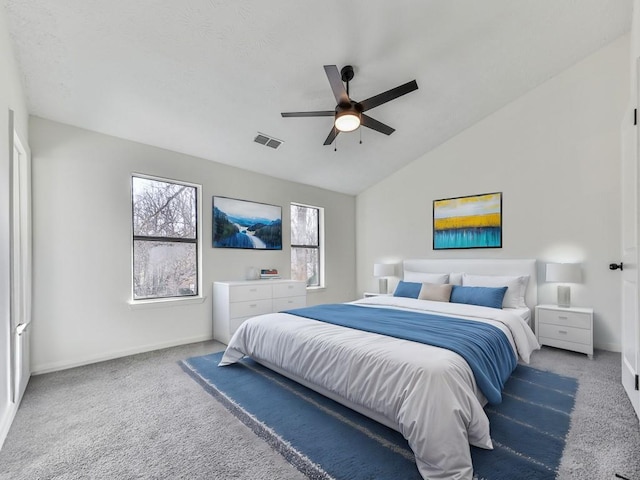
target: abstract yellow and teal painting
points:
(474, 221)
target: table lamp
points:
(563, 273)
(383, 270)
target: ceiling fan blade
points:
(374, 124)
(321, 113)
(332, 136)
(389, 95)
(335, 80)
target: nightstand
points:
(374, 294)
(570, 328)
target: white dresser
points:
(570, 328)
(234, 302)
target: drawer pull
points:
(253, 305)
(563, 318)
(563, 331)
(253, 289)
(290, 287)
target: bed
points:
(433, 394)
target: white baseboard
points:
(611, 347)
(56, 366)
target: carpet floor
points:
(141, 417)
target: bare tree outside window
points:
(165, 239)
(305, 244)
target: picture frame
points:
(472, 221)
(245, 224)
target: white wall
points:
(82, 249)
(555, 155)
(11, 98)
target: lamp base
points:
(564, 296)
(382, 285)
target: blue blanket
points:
(485, 347)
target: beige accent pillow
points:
(437, 292)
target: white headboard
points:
(481, 267)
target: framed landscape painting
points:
(474, 221)
(244, 224)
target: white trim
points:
(164, 302)
(79, 362)
(610, 347)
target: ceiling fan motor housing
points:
(354, 108)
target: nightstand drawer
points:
(564, 333)
(563, 318)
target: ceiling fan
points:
(349, 114)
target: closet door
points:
(630, 327)
(20, 269)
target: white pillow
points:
(421, 277)
(455, 278)
(513, 298)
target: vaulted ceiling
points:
(203, 77)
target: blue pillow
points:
(407, 289)
(483, 296)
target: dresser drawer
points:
(293, 289)
(566, 334)
(568, 319)
(242, 293)
(280, 304)
(234, 324)
(251, 308)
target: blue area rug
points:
(325, 440)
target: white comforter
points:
(427, 393)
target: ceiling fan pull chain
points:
(335, 139)
(360, 135)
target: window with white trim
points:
(306, 244)
(166, 243)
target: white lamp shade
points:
(383, 269)
(563, 273)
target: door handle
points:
(615, 266)
(20, 329)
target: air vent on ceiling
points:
(268, 141)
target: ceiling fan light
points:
(347, 121)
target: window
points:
(306, 248)
(165, 238)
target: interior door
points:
(630, 327)
(20, 269)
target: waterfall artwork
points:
(245, 224)
(474, 221)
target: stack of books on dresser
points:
(266, 273)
